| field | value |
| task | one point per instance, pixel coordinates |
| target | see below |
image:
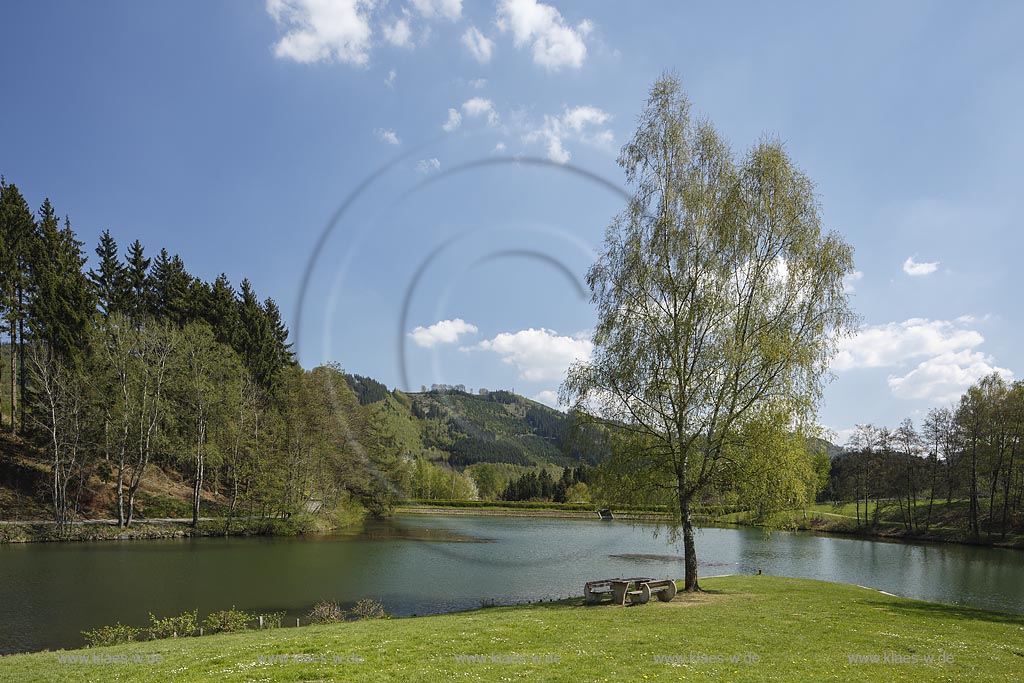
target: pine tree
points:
(222, 312)
(109, 279)
(63, 303)
(255, 343)
(171, 285)
(17, 230)
(279, 333)
(139, 300)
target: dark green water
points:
(50, 592)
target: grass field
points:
(740, 629)
(947, 522)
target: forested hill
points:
(459, 428)
(130, 385)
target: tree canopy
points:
(719, 299)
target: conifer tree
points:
(222, 312)
(171, 284)
(62, 305)
(109, 278)
(16, 233)
(139, 294)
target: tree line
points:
(571, 486)
(967, 456)
(136, 362)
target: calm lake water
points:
(51, 592)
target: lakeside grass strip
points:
(777, 629)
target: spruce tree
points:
(109, 278)
(16, 233)
(63, 303)
(222, 313)
(171, 285)
(139, 300)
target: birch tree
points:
(719, 300)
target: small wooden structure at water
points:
(605, 513)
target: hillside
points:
(460, 428)
(451, 430)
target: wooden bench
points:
(638, 590)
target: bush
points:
(326, 612)
(227, 621)
(368, 609)
(185, 624)
(111, 635)
(272, 620)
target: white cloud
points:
(893, 344)
(499, 148)
(478, 106)
(913, 268)
(441, 332)
(318, 30)
(449, 9)
(453, 122)
(937, 359)
(388, 136)
(398, 33)
(579, 118)
(390, 80)
(839, 437)
(849, 282)
(478, 83)
(555, 44)
(547, 397)
(425, 166)
(945, 377)
(538, 354)
(584, 123)
(479, 45)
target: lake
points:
(419, 564)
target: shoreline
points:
(889, 534)
(85, 531)
(40, 531)
(557, 640)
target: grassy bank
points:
(28, 532)
(885, 523)
(822, 518)
(36, 533)
(775, 629)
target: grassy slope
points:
(947, 522)
(801, 630)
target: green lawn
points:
(948, 522)
(777, 629)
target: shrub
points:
(185, 624)
(111, 635)
(227, 621)
(326, 612)
(272, 620)
(368, 609)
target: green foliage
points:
(367, 609)
(367, 389)
(227, 621)
(112, 635)
(720, 299)
(271, 620)
(183, 625)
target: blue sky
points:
(232, 132)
